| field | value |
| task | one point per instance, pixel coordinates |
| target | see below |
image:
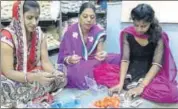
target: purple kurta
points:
(73, 43)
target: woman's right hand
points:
(101, 55)
(44, 78)
(74, 59)
(116, 89)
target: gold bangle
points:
(26, 80)
(67, 60)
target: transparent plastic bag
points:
(91, 83)
(94, 87)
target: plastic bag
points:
(91, 83)
(94, 87)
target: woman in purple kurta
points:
(82, 48)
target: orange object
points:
(97, 104)
(108, 102)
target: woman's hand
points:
(74, 59)
(60, 75)
(101, 55)
(135, 91)
(116, 89)
(44, 78)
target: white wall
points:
(164, 10)
(113, 27)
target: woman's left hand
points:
(101, 55)
(59, 74)
(135, 91)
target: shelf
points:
(43, 22)
(66, 16)
(53, 48)
(76, 13)
(100, 12)
(70, 14)
(5, 20)
(46, 23)
(52, 52)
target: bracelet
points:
(67, 60)
(26, 80)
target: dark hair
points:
(30, 4)
(87, 5)
(146, 13)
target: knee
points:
(161, 95)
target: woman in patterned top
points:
(26, 69)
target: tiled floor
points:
(89, 97)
